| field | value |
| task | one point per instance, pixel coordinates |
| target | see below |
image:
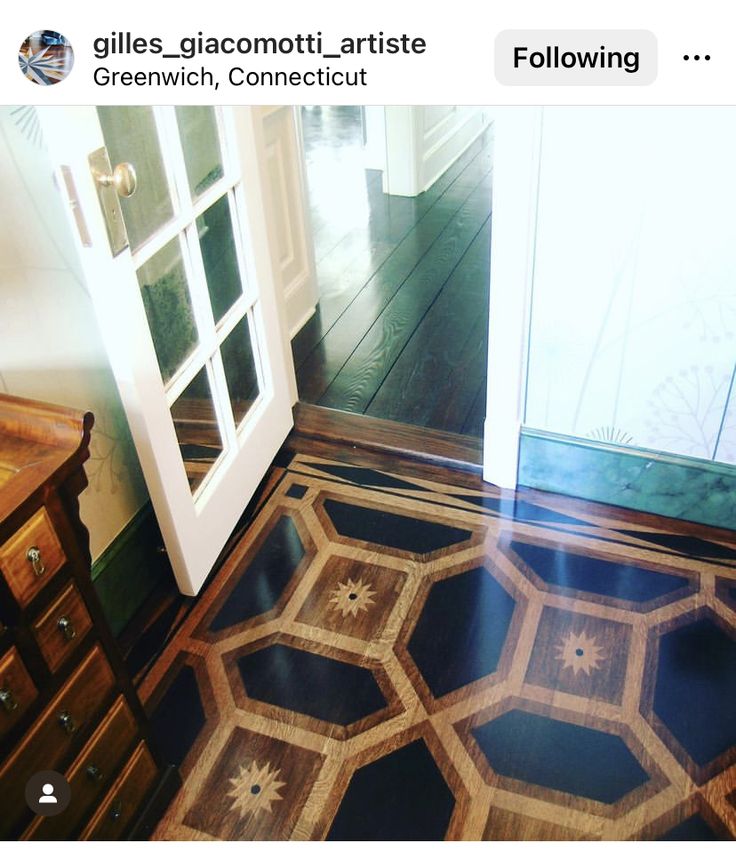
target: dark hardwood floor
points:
(400, 332)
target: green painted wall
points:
(130, 569)
(660, 483)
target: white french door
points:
(182, 283)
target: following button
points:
(576, 57)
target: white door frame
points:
(516, 169)
(283, 177)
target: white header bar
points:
(383, 53)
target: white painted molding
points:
(403, 151)
(447, 140)
(302, 321)
(422, 142)
(516, 162)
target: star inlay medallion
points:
(255, 788)
(580, 652)
(350, 598)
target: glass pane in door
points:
(201, 145)
(131, 136)
(240, 369)
(168, 306)
(197, 431)
(215, 230)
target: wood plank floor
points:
(401, 328)
(396, 651)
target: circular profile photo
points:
(46, 57)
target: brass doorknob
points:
(123, 179)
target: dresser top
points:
(39, 444)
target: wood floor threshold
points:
(457, 451)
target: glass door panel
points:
(131, 136)
(241, 374)
(168, 305)
(217, 244)
(201, 143)
(197, 429)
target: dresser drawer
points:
(31, 557)
(60, 729)
(62, 627)
(91, 773)
(122, 801)
(17, 691)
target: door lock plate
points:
(99, 165)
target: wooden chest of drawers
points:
(66, 701)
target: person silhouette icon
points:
(48, 795)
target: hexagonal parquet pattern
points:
(390, 657)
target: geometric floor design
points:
(386, 657)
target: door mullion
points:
(228, 149)
(166, 119)
(168, 130)
(200, 294)
(243, 243)
(258, 332)
(212, 194)
(158, 240)
(222, 400)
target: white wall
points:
(633, 333)
(50, 348)
(422, 142)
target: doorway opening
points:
(403, 270)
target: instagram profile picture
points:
(46, 57)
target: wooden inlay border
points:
(358, 601)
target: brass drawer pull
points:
(7, 701)
(116, 810)
(94, 773)
(66, 628)
(67, 722)
(34, 557)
